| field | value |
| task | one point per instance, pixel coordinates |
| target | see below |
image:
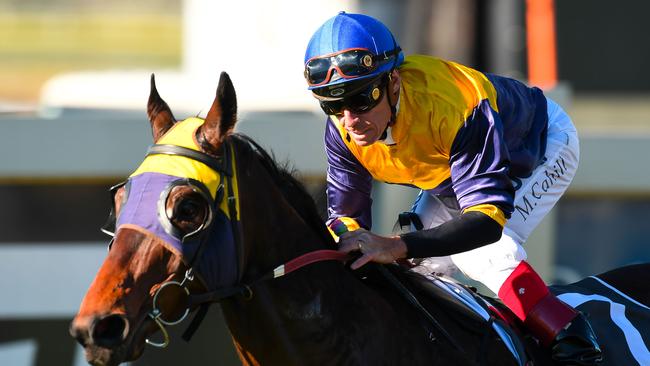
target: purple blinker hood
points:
(217, 264)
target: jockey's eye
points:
(187, 209)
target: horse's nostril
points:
(110, 330)
(78, 333)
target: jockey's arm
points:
(471, 230)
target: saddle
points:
(461, 301)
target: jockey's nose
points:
(350, 119)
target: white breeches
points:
(534, 198)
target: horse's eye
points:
(189, 211)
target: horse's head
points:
(184, 192)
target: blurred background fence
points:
(74, 82)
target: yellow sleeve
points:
(342, 225)
(492, 211)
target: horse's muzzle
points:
(103, 337)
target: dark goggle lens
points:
(317, 69)
(358, 103)
(363, 102)
(348, 64)
(332, 107)
(355, 63)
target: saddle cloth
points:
(622, 324)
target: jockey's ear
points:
(395, 81)
(158, 111)
(222, 116)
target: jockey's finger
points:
(347, 246)
(361, 261)
(349, 237)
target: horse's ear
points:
(158, 111)
(222, 116)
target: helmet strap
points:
(389, 93)
(393, 107)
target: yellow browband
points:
(183, 134)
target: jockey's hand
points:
(375, 248)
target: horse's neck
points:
(317, 311)
(280, 237)
(321, 313)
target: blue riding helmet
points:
(347, 49)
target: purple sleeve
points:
(348, 183)
(523, 114)
(480, 162)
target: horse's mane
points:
(298, 197)
(294, 191)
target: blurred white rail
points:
(46, 280)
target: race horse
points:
(209, 217)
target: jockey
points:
(490, 156)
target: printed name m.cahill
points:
(539, 187)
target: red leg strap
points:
(522, 290)
(548, 318)
(526, 294)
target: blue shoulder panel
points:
(479, 162)
(525, 120)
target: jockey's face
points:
(366, 128)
